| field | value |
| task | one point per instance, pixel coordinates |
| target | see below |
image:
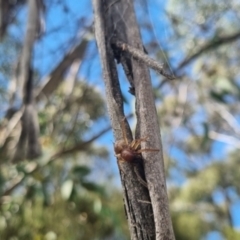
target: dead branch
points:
(141, 56)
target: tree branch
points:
(52, 81)
(146, 221)
(141, 56)
(225, 139)
(147, 120)
(28, 145)
(139, 215)
(209, 46)
(79, 147)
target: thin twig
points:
(80, 146)
(141, 56)
(142, 201)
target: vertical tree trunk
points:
(28, 145)
(146, 207)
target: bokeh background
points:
(73, 190)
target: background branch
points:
(78, 147)
(209, 46)
(52, 81)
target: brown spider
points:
(129, 152)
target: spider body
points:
(129, 152)
(126, 152)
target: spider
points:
(125, 151)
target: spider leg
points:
(140, 178)
(132, 143)
(135, 143)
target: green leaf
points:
(81, 171)
(66, 189)
(219, 97)
(224, 85)
(93, 187)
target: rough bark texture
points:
(146, 207)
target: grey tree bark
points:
(147, 208)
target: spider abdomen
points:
(129, 155)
